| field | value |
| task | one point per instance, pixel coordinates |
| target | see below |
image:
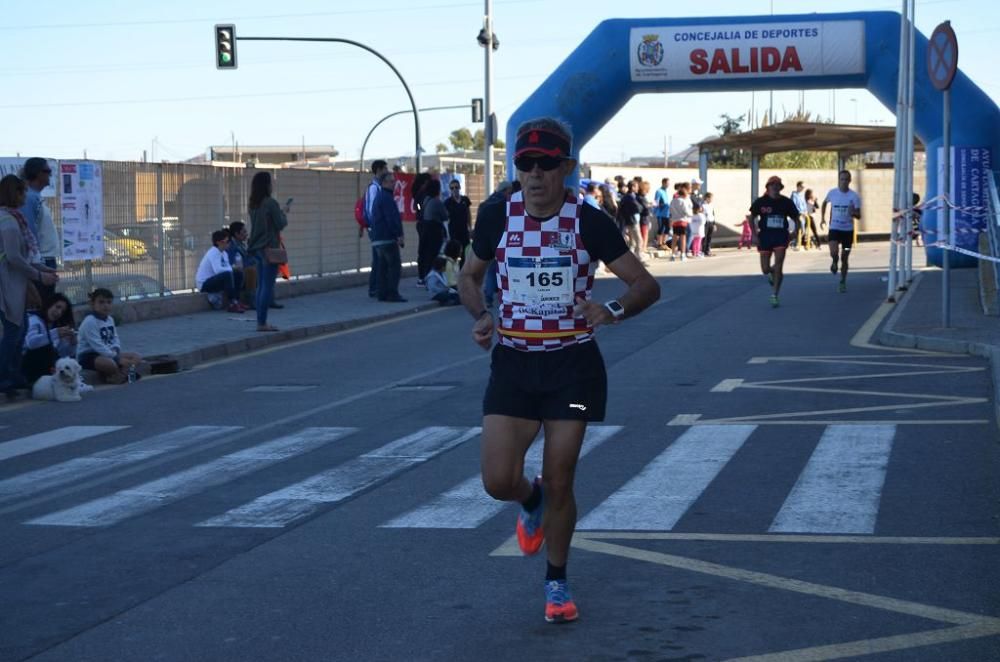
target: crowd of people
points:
(38, 323)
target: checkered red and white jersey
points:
(548, 327)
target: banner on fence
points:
(82, 202)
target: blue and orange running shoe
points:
(530, 535)
(559, 605)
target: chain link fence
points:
(159, 219)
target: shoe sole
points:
(560, 619)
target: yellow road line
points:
(785, 538)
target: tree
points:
(479, 140)
(726, 157)
(440, 148)
(461, 139)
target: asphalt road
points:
(761, 487)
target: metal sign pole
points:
(946, 216)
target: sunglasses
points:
(528, 163)
(455, 188)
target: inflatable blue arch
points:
(624, 57)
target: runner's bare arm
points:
(470, 291)
(822, 214)
(643, 290)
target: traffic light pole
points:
(416, 114)
(361, 161)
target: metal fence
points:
(159, 219)
(993, 229)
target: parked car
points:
(122, 248)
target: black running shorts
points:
(843, 237)
(770, 241)
(564, 384)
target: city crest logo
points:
(650, 51)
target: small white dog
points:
(63, 386)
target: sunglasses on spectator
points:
(528, 163)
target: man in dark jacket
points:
(459, 216)
(387, 239)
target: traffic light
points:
(477, 110)
(225, 46)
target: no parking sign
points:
(942, 56)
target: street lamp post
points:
(416, 114)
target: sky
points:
(112, 79)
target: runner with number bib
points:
(775, 216)
(546, 368)
(845, 207)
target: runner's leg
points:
(563, 440)
(505, 440)
(778, 269)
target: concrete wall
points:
(732, 195)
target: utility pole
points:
(487, 98)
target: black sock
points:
(555, 572)
(536, 498)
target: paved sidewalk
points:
(917, 321)
(203, 336)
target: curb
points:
(891, 338)
(188, 360)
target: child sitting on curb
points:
(437, 285)
(98, 346)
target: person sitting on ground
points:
(241, 261)
(437, 284)
(98, 347)
(215, 274)
(51, 335)
(452, 253)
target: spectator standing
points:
(51, 335)
(696, 228)
(609, 202)
(680, 215)
(267, 220)
(708, 209)
(645, 217)
(387, 238)
(215, 273)
(799, 235)
(378, 167)
(628, 218)
(809, 218)
(434, 217)
(590, 195)
(697, 197)
(17, 270)
(661, 201)
(37, 174)
(459, 209)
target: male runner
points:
(773, 217)
(845, 207)
(546, 368)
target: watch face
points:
(616, 308)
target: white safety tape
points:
(988, 258)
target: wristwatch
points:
(616, 309)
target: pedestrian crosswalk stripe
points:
(57, 437)
(665, 488)
(154, 494)
(296, 501)
(467, 505)
(43, 480)
(841, 486)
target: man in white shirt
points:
(845, 208)
(215, 274)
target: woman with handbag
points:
(17, 270)
(267, 220)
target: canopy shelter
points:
(844, 139)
